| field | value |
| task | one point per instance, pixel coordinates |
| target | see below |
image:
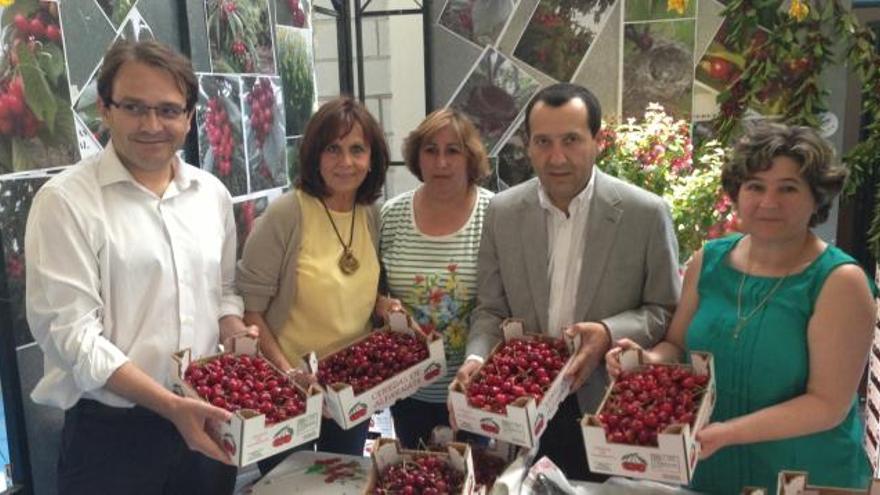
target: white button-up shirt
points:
(565, 246)
(116, 273)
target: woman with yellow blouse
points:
(309, 273)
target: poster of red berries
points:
(36, 123)
(478, 21)
(721, 66)
(493, 94)
(264, 123)
(240, 36)
(221, 131)
(658, 67)
(559, 34)
(293, 13)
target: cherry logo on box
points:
(282, 436)
(539, 424)
(432, 371)
(357, 411)
(489, 426)
(634, 462)
(229, 444)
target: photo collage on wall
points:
(36, 123)
(296, 67)
(658, 56)
(553, 37)
(253, 106)
(720, 65)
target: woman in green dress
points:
(788, 318)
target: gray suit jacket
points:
(629, 277)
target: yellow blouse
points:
(330, 308)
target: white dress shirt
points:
(116, 273)
(565, 246)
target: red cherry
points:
(37, 28)
(21, 24)
(53, 33)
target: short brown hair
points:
(764, 140)
(477, 159)
(154, 54)
(333, 120)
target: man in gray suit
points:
(577, 251)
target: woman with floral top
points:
(428, 245)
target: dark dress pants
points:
(563, 443)
(133, 451)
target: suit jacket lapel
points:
(602, 225)
(533, 232)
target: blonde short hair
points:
(477, 158)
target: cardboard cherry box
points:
(674, 459)
(246, 437)
(509, 463)
(388, 451)
(795, 483)
(525, 420)
(349, 409)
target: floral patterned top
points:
(435, 277)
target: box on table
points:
(795, 483)
(513, 460)
(387, 451)
(246, 437)
(307, 473)
(675, 456)
(525, 420)
(349, 410)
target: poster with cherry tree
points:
(36, 122)
(493, 94)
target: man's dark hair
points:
(154, 54)
(559, 94)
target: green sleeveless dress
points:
(766, 364)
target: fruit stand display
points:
(271, 412)
(795, 483)
(646, 425)
(516, 392)
(378, 369)
(410, 471)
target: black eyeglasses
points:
(165, 111)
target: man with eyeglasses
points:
(130, 257)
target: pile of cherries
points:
(643, 403)
(262, 102)
(39, 27)
(246, 382)
(518, 368)
(425, 474)
(219, 131)
(372, 360)
(16, 118)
